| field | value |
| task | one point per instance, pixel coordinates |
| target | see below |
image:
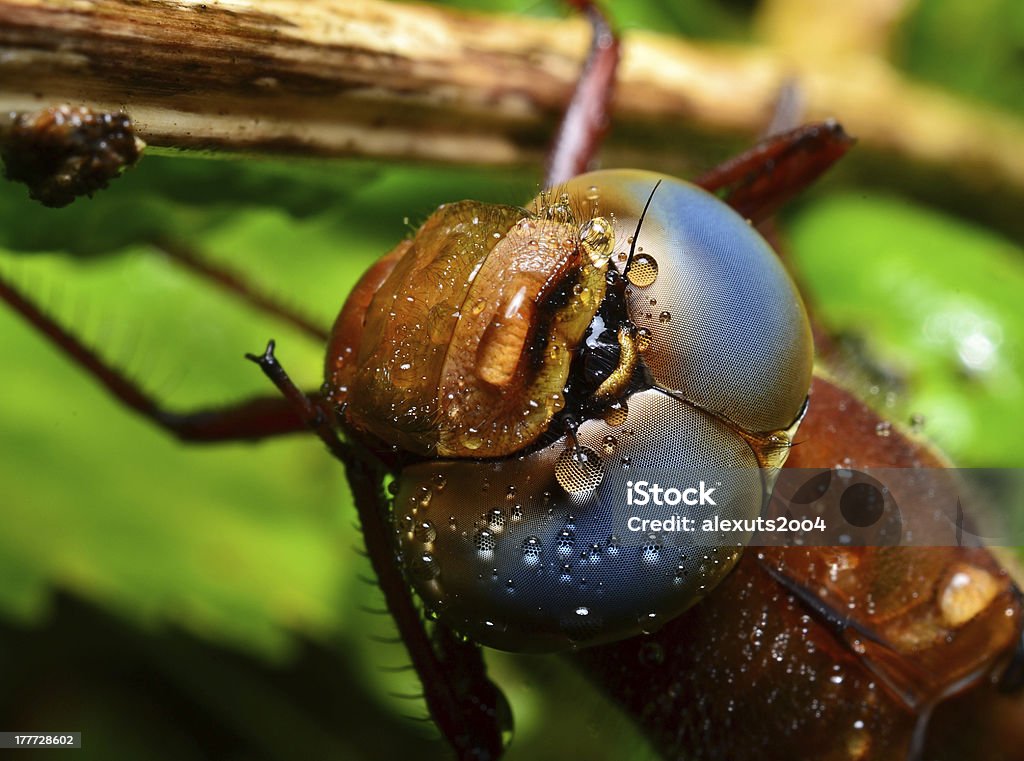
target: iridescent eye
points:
(563, 566)
(728, 326)
(690, 378)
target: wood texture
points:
(414, 82)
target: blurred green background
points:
(204, 602)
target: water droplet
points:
(649, 622)
(510, 495)
(531, 549)
(643, 340)
(613, 545)
(608, 445)
(597, 237)
(565, 542)
(582, 611)
(478, 306)
(616, 414)
(496, 519)
(643, 270)
(424, 567)
(441, 321)
(440, 482)
(578, 469)
(917, 423)
(484, 540)
(652, 550)
(404, 374)
(471, 439)
(664, 317)
(560, 211)
(408, 523)
(425, 532)
(884, 428)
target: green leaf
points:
(936, 303)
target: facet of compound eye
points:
(737, 340)
(516, 573)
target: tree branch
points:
(411, 82)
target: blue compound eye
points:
(728, 328)
(540, 553)
(581, 539)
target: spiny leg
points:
(585, 121)
(248, 420)
(188, 258)
(463, 702)
(760, 180)
(468, 708)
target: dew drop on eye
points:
(643, 270)
(579, 469)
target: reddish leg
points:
(232, 283)
(758, 181)
(248, 420)
(586, 119)
(464, 703)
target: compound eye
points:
(544, 552)
(728, 328)
(580, 543)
